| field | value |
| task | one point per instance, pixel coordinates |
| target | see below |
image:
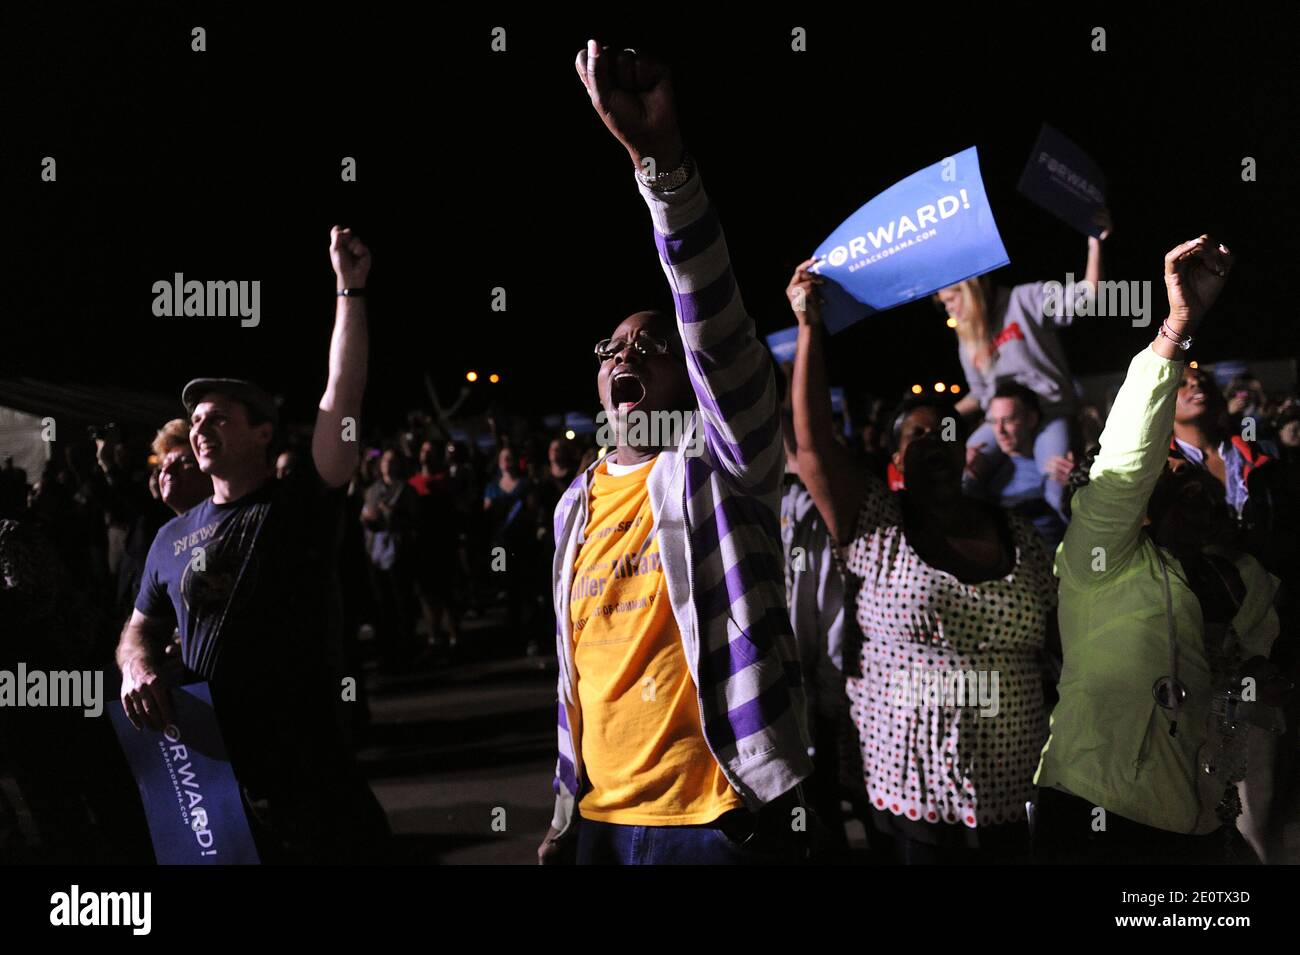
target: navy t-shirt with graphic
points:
(252, 586)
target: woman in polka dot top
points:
(953, 600)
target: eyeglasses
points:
(644, 344)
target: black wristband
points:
(351, 292)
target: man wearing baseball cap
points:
(249, 577)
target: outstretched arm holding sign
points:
(1056, 312)
(834, 479)
(1094, 272)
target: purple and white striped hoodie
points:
(719, 533)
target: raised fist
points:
(1195, 273)
(633, 94)
(350, 257)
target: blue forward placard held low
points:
(188, 787)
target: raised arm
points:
(1108, 513)
(1063, 305)
(835, 481)
(729, 369)
(1094, 272)
(335, 441)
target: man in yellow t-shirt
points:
(654, 793)
(643, 746)
(681, 720)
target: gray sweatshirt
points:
(1026, 349)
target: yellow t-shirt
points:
(643, 748)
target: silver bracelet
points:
(673, 179)
(1182, 341)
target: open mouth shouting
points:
(626, 390)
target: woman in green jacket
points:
(1163, 630)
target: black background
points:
(480, 169)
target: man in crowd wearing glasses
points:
(681, 716)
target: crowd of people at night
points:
(975, 625)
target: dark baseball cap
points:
(245, 391)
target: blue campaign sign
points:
(782, 344)
(931, 230)
(190, 794)
(1061, 178)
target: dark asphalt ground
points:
(461, 751)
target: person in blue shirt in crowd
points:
(1018, 483)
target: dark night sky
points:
(480, 169)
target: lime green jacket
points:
(1110, 741)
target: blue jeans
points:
(1052, 440)
(607, 843)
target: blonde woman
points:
(1010, 335)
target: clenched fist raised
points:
(633, 94)
(350, 258)
(1195, 272)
